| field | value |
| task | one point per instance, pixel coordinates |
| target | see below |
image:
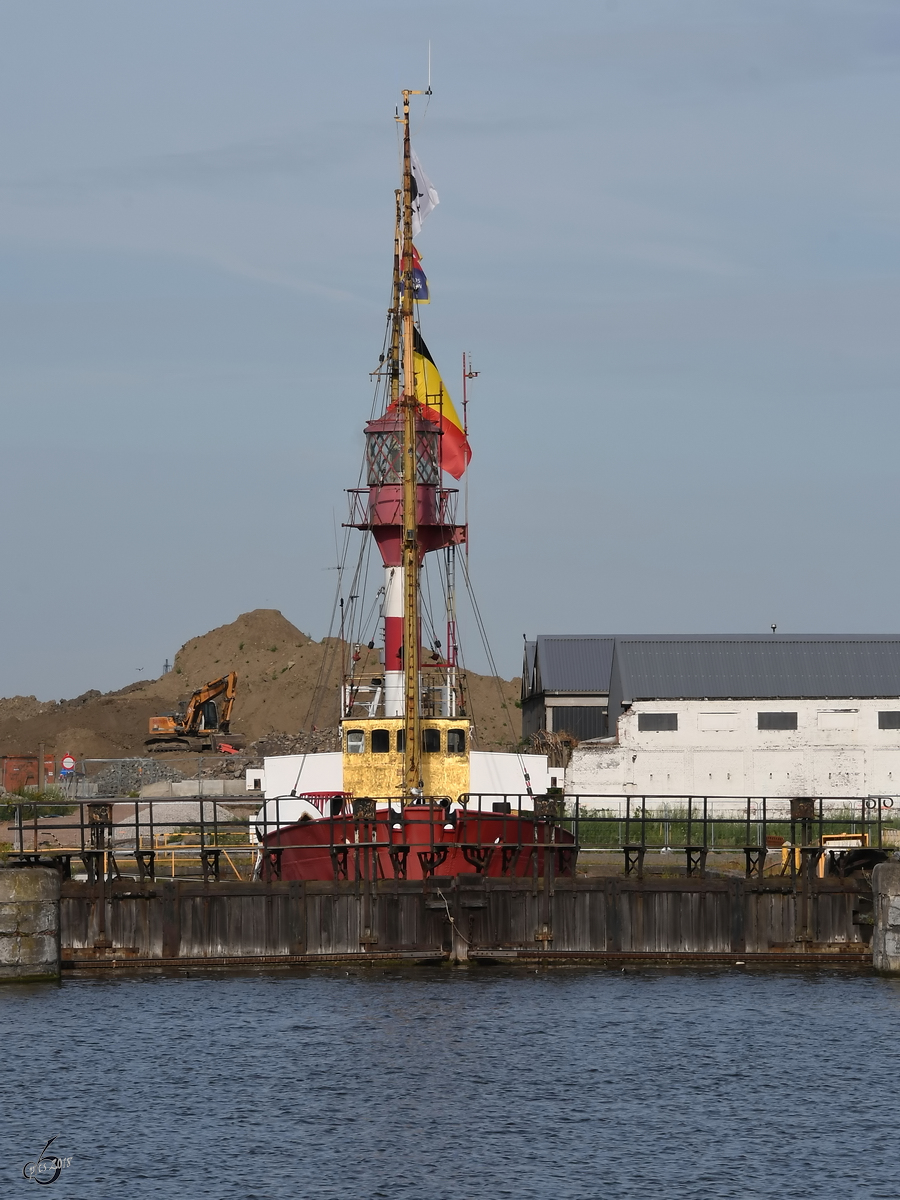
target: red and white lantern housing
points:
(379, 509)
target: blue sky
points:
(668, 235)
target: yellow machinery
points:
(202, 725)
(834, 842)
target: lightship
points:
(405, 807)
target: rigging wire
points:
(362, 589)
(327, 658)
(493, 667)
(421, 124)
(381, 392)
(427, 605)
(471, 707)
(326, 663)
(368, 624)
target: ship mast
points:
(394, 360)
(412, 771)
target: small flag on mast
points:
(419, 279)
(424, 197)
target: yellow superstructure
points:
(373, 756)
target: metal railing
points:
(112, 837)
(383, 837)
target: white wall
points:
(284, 773)
(493, 774)
(718, 750)
(489, 773)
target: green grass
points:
(51, 802)
(605, 829)
(191, 836)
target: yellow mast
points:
(394, 362)
(412, 771)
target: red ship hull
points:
(425, 844)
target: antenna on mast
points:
(428, 93)
(467, 374)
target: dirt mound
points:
(287, 683)
(21, 708)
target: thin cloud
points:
(733, 49)
(238, 163)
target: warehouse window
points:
(776, 720)
(581, 721)
(381, 741)
(889, 720)
(657, 722)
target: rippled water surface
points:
(456, 1084)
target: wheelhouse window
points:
(431, 741)
(381, 741)
(776, 720)
(456, 741)
(657, 722)
(356, 741)
(401, 740)
(889, 720)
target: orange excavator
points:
(200, 725)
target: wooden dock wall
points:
(605, 920)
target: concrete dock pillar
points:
(29, 924)
(886, 938)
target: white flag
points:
(424, 197)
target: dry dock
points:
(136, 893)
(608, 921)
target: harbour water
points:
(452, 1085)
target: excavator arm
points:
(226, 686)
(230, 692)
(200, 725)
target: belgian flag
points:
(437, 406)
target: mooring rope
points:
(452, 919)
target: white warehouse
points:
(731, 716)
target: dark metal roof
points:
(756, 666)
(528, 669)
(573, 663)
(735, 666)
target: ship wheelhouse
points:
(373, 755)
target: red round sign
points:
(68, 762)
